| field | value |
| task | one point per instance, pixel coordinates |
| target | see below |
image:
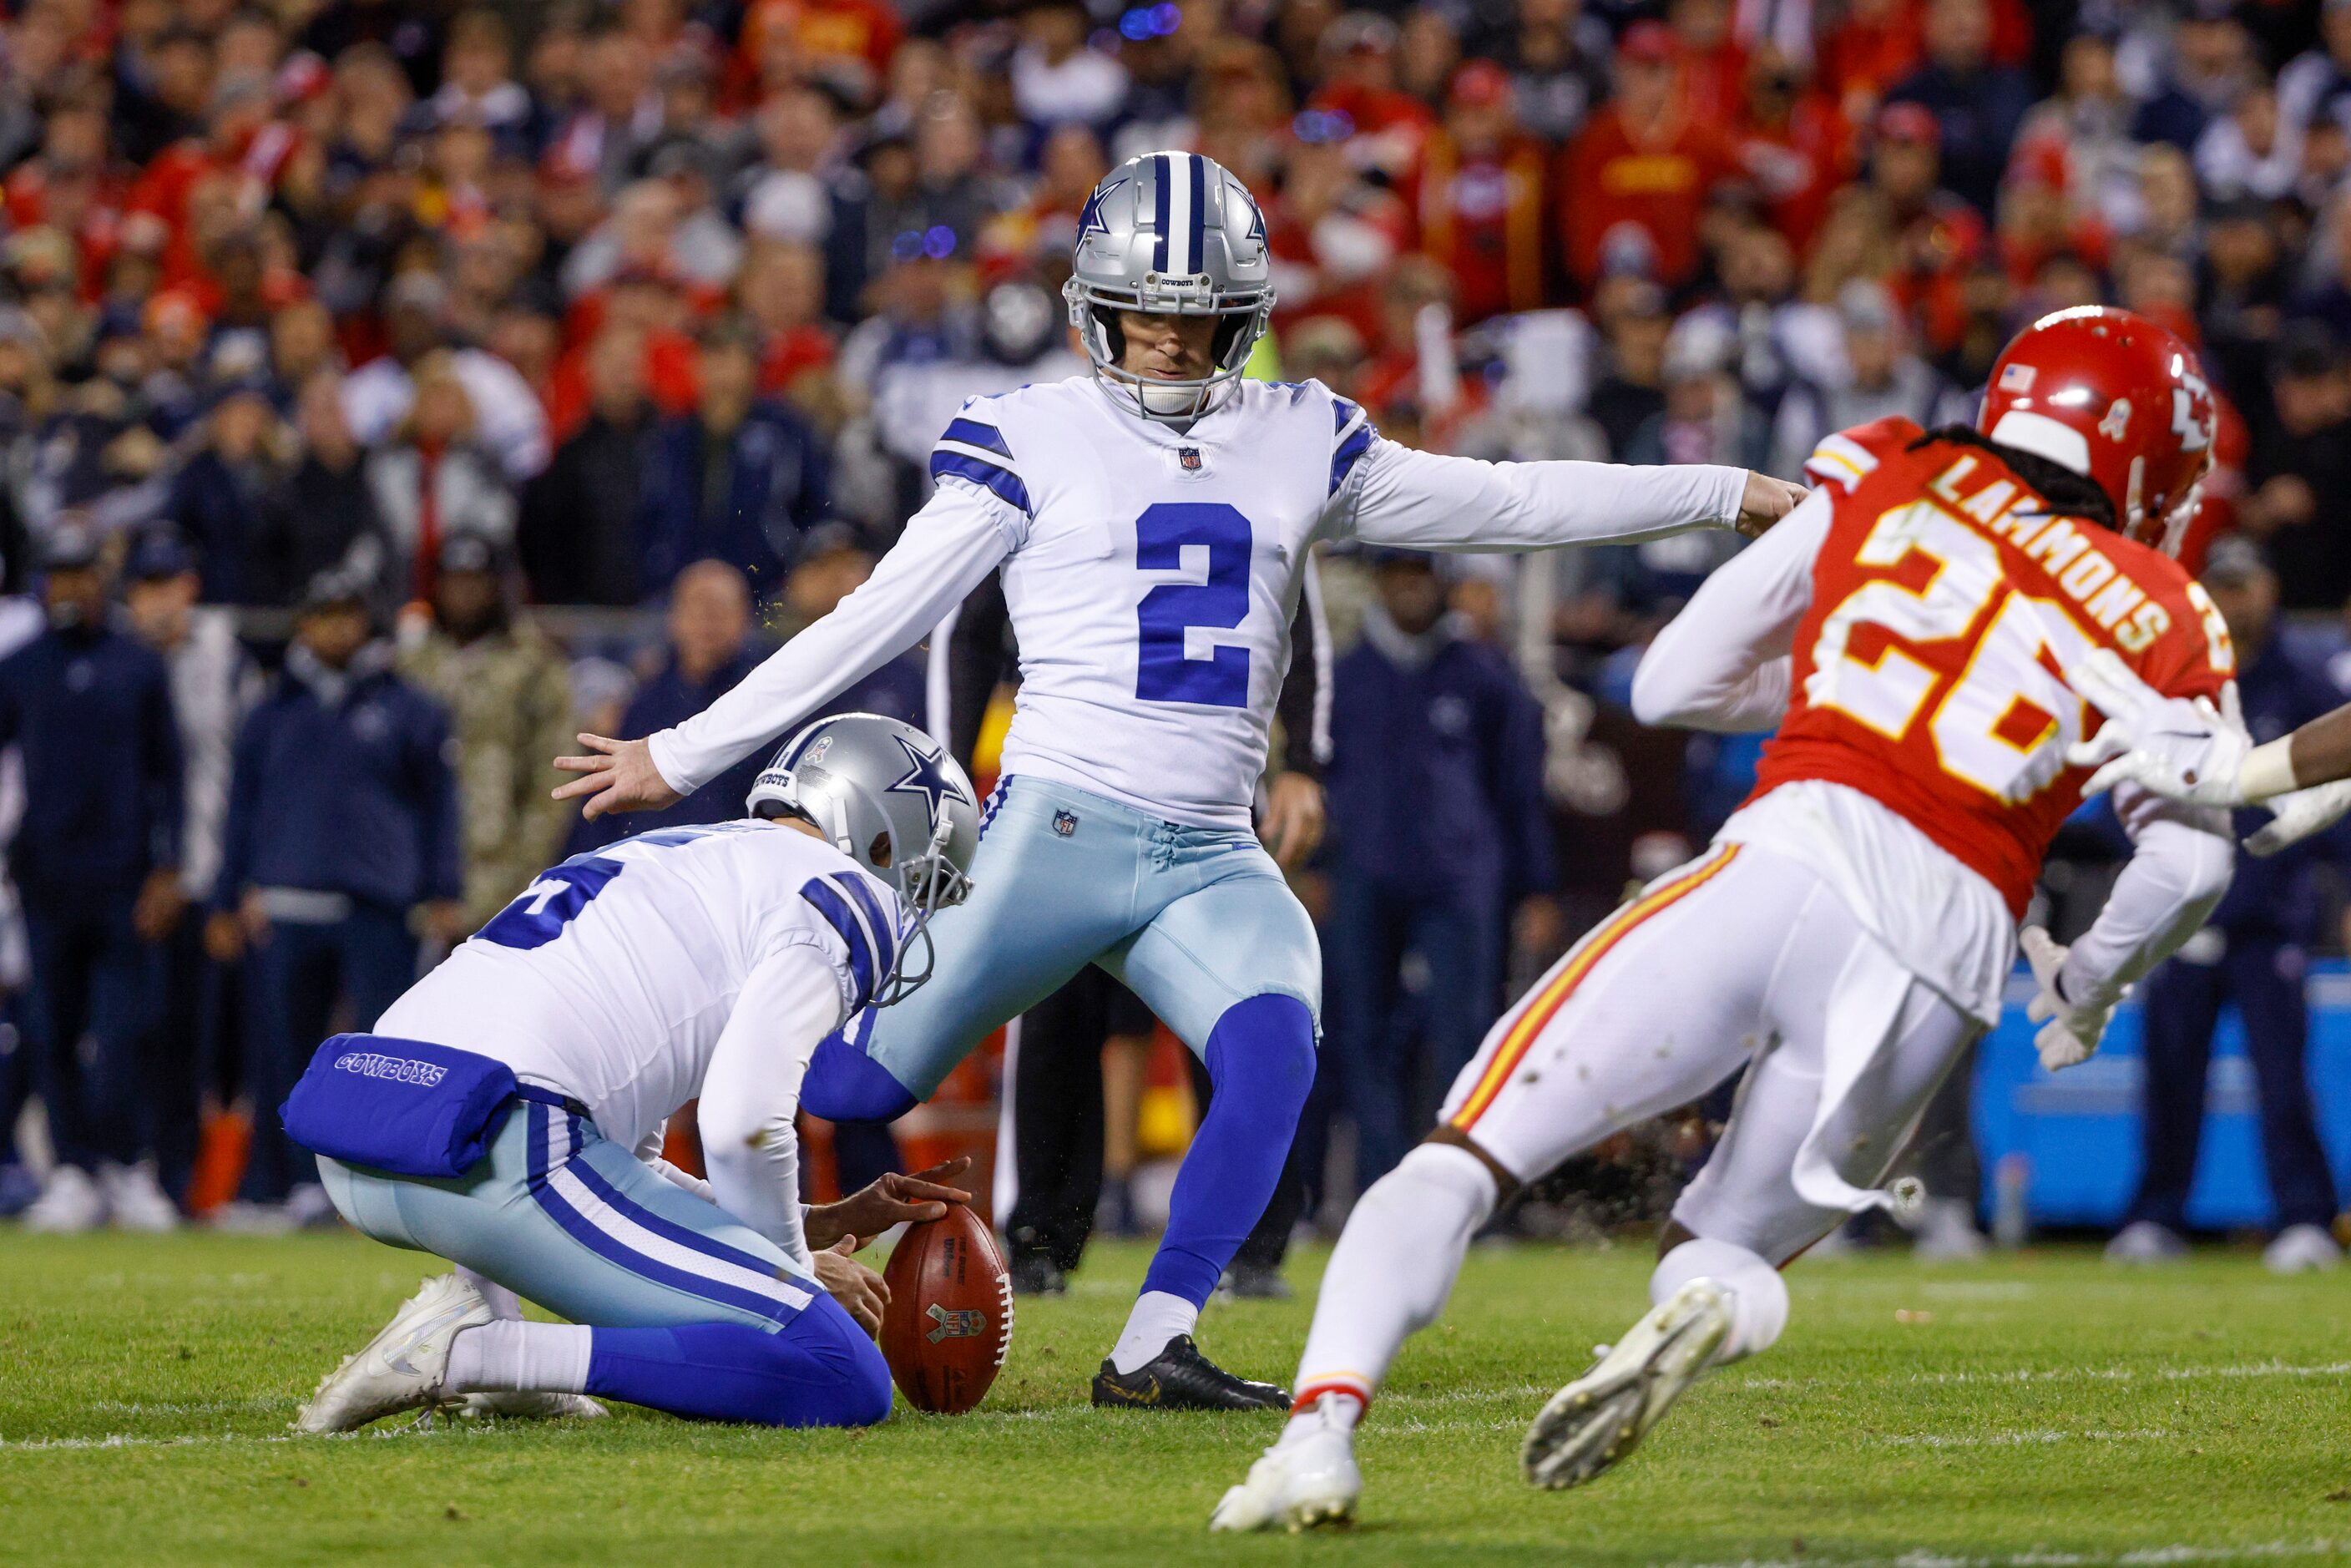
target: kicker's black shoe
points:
(1254, 1282)
(1181, 1378)
(1036, 1275)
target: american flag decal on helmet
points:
(2016, 378)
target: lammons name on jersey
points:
(612, 974)
(1155, 577)
(1947, 601)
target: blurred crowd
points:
(389, 388)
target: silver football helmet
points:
(891, 798)
(1171, 234)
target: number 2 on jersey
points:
(2004, 725)
(1164, 672)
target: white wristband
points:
(2267, 770)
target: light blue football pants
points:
(564, 1216)
(692, 1312)
(1193, 920)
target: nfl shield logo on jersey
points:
(1065, 822)
(1189, 456)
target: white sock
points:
(1388, 1277)
(512, 1357)
(1339, 1408)
(1158, 1318)
(504, 1303)
(1759, 1296)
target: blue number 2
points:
(538, 914)
(1162, 672)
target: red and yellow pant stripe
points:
(1543, 1003)
(1354, 1386)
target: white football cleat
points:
(69, 1203)
(401, 1367)
(136, 1199)
(2301, 1248)
(1297, 1484)
(1601, 1417)
(2144, 1241)
(532, 1406)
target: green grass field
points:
(2040, 1410)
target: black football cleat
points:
(1253, 1282)
(1037, 1275)
(1180, 1378)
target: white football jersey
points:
(1154, 583)
(1151, 574)
(612, 975)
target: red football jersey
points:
(1946, 604)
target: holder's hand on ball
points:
(876, 1208)
(857, 1287)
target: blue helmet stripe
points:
(1199, 257)
(971, 433)
(980, 471)
(1164, 177)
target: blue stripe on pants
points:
(549, 1174)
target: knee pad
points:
(1759, 1306)
(844, 1084)
(1262, 1048)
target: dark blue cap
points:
(158, 554)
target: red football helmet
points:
(2116, 398)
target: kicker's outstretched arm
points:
(1420, 500)
(961, 534)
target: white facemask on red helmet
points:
(2116, 398)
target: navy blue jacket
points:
(91, 710)
(897, 690)
(746, 505)
(348, 791)
(2282, 687)
(1435, 776)
(670, 698)
(217, 508)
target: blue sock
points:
(1261, 1057)
(844, 1084)
(819, 1370)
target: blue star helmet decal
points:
(1090, 220)
(924, 778)
(1257, 221)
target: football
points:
(950, 1321)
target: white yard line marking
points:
(2076, 1374)
(189, 1406)
(2138, 1557)
(406, 1431)
(2019, 1439)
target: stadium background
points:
(314, 303)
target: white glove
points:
(2295, 816)
(2187, 750)
(2070, 1031)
